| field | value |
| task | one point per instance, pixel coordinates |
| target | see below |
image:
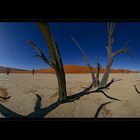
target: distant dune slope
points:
(70, 69)
(81, 69)
(13, 70)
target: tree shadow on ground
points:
(99, 109)
(38, 111)
(42, 112)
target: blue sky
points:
(92, 37)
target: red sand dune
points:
(71, 69)
(80, 69)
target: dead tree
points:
(111, 55)
(98, 68)
(85, 58)
(54, 60)
(122, 71)
(41, 112)
(33, 71)
(8, 71)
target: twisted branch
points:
(85, 58)
(41, 54)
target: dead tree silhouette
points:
(85, 58)
(54, 60)
(98, 68)
(111, 56)
(33, 71)
(8, 70)
(122, 71)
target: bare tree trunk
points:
(98, 67)
(61, 85)
(8, 71)
(92, 76)
(54, 60)
(33, 72)
(111, 55)
(106, 73)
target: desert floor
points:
(23, 87)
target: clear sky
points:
(92, 37)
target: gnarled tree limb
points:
(123, 50)
(40, 54)
(85, 58)
(98, 67)
(55, 57)
(100, 89)
(111, 55)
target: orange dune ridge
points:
(76, 69)
(69, 69)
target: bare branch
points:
(124, 49)
(85, 58)
(108, 84)
(111, 54)
(126, 43)
(136, 89)
(36, 56)
(98, 67)
(100, 89)
(55, 59)
(41, 54)
(108, 28)
(113, 80)
(112, 28)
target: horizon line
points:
(66, 65)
